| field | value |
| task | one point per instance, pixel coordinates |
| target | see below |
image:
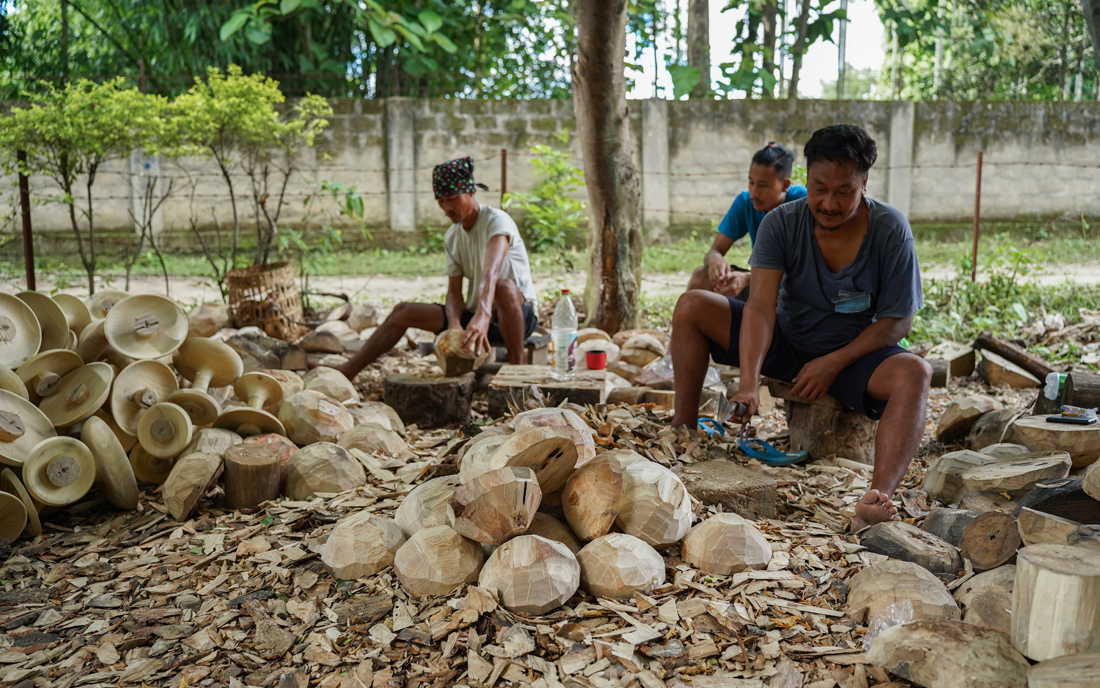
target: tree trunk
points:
(798, 48)
(615, 232)
(698, 40)
(768, 19)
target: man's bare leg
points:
(700, 279)
(508, 301)
(701, 317)
(903, 381)
(425, 316)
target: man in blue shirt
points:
(769, 187)
(850, 287)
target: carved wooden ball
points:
(426, 506)
(550, 452)
(310, 416)
(436, 561)
(656, 506)
(370, 438)
(558, 417)
(532, 575)
(619, 565)
(361, 545)
(330, 382)
(725, 544)
(592, 497)
(321, 467)
(378, 413)
(496, 505)
(475, 456)
(551, 528)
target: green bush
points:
(553, 215)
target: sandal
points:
(765, 453)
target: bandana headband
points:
(455, 177)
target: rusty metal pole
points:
(25, 210)
(977, 221)
(503, 174)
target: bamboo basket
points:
(266, 296)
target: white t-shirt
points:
(466, 254)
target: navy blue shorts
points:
(530, 322)
(784, 361)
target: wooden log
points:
(940, 653)
(1090, 481)
(943, 479)
(1082, 389)
(188, 482)
(941, 372)
(823, 431)
(986, 501)
(430, 401)
(1037, 527)
(1034, 365)
(1085, 536)
(510, 388)
(1000, 579)
(1045, 407)
(900, 540)
(1016, 477)
(877, 587)
(1081, 441)
(1063, 498)
(961, 415)
(253, 473)
(990, 541)
(949, 524)
(1073, 671)
(452, 358)
(959, 357)
(991, 609)
(1056, 601)
(1001, 372)
(992, 428)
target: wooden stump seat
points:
(825, 426)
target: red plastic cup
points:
(596, 360)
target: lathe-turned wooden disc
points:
(22, 427)
(146, 326)
(101, 303)
(59, 471)
(20, 333)
(112, 468)
(92, 342)
(76, 311)
(164, 430)
(128, 442)
(79, 394)
(202, 408)
(139, 386)
(51, 319)
(13, 517)
(10, 483)
(148, 468)
(207, 363)
(9, 380)
(258, 390)
(42, 373)
(247, 422)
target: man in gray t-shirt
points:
(483, 247)
(835, 286)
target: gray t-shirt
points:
(822, 311)
(466, 254)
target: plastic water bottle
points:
(1053, 388)
(563, 338)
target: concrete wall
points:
(693, 157)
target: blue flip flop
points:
(764, 452)
(712, 427)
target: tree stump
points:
(949, 524)
(990, 541)
(1081, 441)
(1074, 671)
(1056, 601)
(252, 475)
(430, 401)
(1037, 527)
(900, 540)
(749, 493)
(1082, 389)
(823, 431)
(1063, 498)
(511, 387)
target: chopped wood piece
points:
(495, 506)
(453, 359)
(1074, 671)
(656, 506)
(900, 540)
(1063, 498)
(959, 357)
(993, 428)
(991, 609)
(1090, 481)
(1056, 601)
(749, 493)
(310, 416)
(592, 497)
(427, 505)
(1033, 365)
(436, 561)
(189, 480)
(1085, 536)
(1000, 579)
(1016, 476)
(1004, 450)
(531, 574)
(618, 565)
(949, 524)
(877, 587)
(550, 452)
(986, 501)
(545, 525)
(941, 372)
(430, 401)
(321, 467)
(252, 475)
(361, 545)
(1081, 441)
(940, 653)
(943, 479)
(725, 544)
(961, 415)
(317, 342)
(1001, 372)
(1037, 527)
(990, 541)
(1082, 389)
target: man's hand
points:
(718, 270)
(477, 334)
(735, 283)
(751, 400)
(815, 378)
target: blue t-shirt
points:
(823, 310)
(743, 219)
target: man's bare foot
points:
(874, 507)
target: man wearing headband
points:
(482, 246)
